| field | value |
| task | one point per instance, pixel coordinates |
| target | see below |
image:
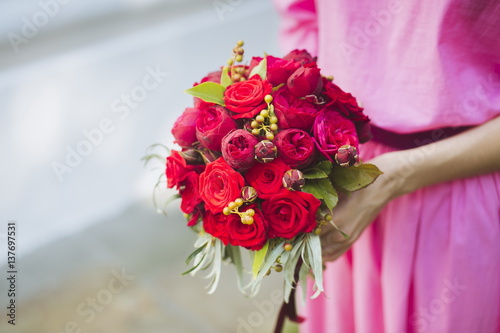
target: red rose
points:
(278, 70)
(189, 192)
(301, 56)
(305, 81)
(290, 213)
(266, 178)
(219, 185)
(246, 98)
(238, 149)
(292, 112)
(215, 225)
(212, 125)
(176, 169)
(195, 216)
(331, 131)
(184, 130)
(252, 236)
(295, 147)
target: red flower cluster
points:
(235, 153)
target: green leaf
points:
(315, 262)
(258, 259)
(314, 173)
(225, 79)
(235, 255)
(270, 259)
(320, 170)
(326, 166)
(260, 69)
(172, 198)
(209, 92)
(192, 255)
(356, 177)
(322, 189)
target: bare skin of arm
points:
(471, 153)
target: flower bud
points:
(293, 180)
(265, 151)
(192, 156)
(346, 156)
(248, 194)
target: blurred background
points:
(85, 88)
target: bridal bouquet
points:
(265, 149)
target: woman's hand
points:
(467, 154)
(354, 213)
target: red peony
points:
(332, 131)
(293, 112)
(347, 105)
(252, 236)
(301, 56)
(238, 149)
(184, 130)
(216, 225)
(246, 98)
(212, 77)
(295, 147)
(219, 185)
(266, 178)
(290, 213)
(212, 125)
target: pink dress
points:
(431, 260)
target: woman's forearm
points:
(471, 153)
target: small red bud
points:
(293, 180)
(265, 151)
(248, 194)
(346, 156)
(191, 156)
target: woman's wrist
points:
(400, 174)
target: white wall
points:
(66, 78)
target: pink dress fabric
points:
(431, 260)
